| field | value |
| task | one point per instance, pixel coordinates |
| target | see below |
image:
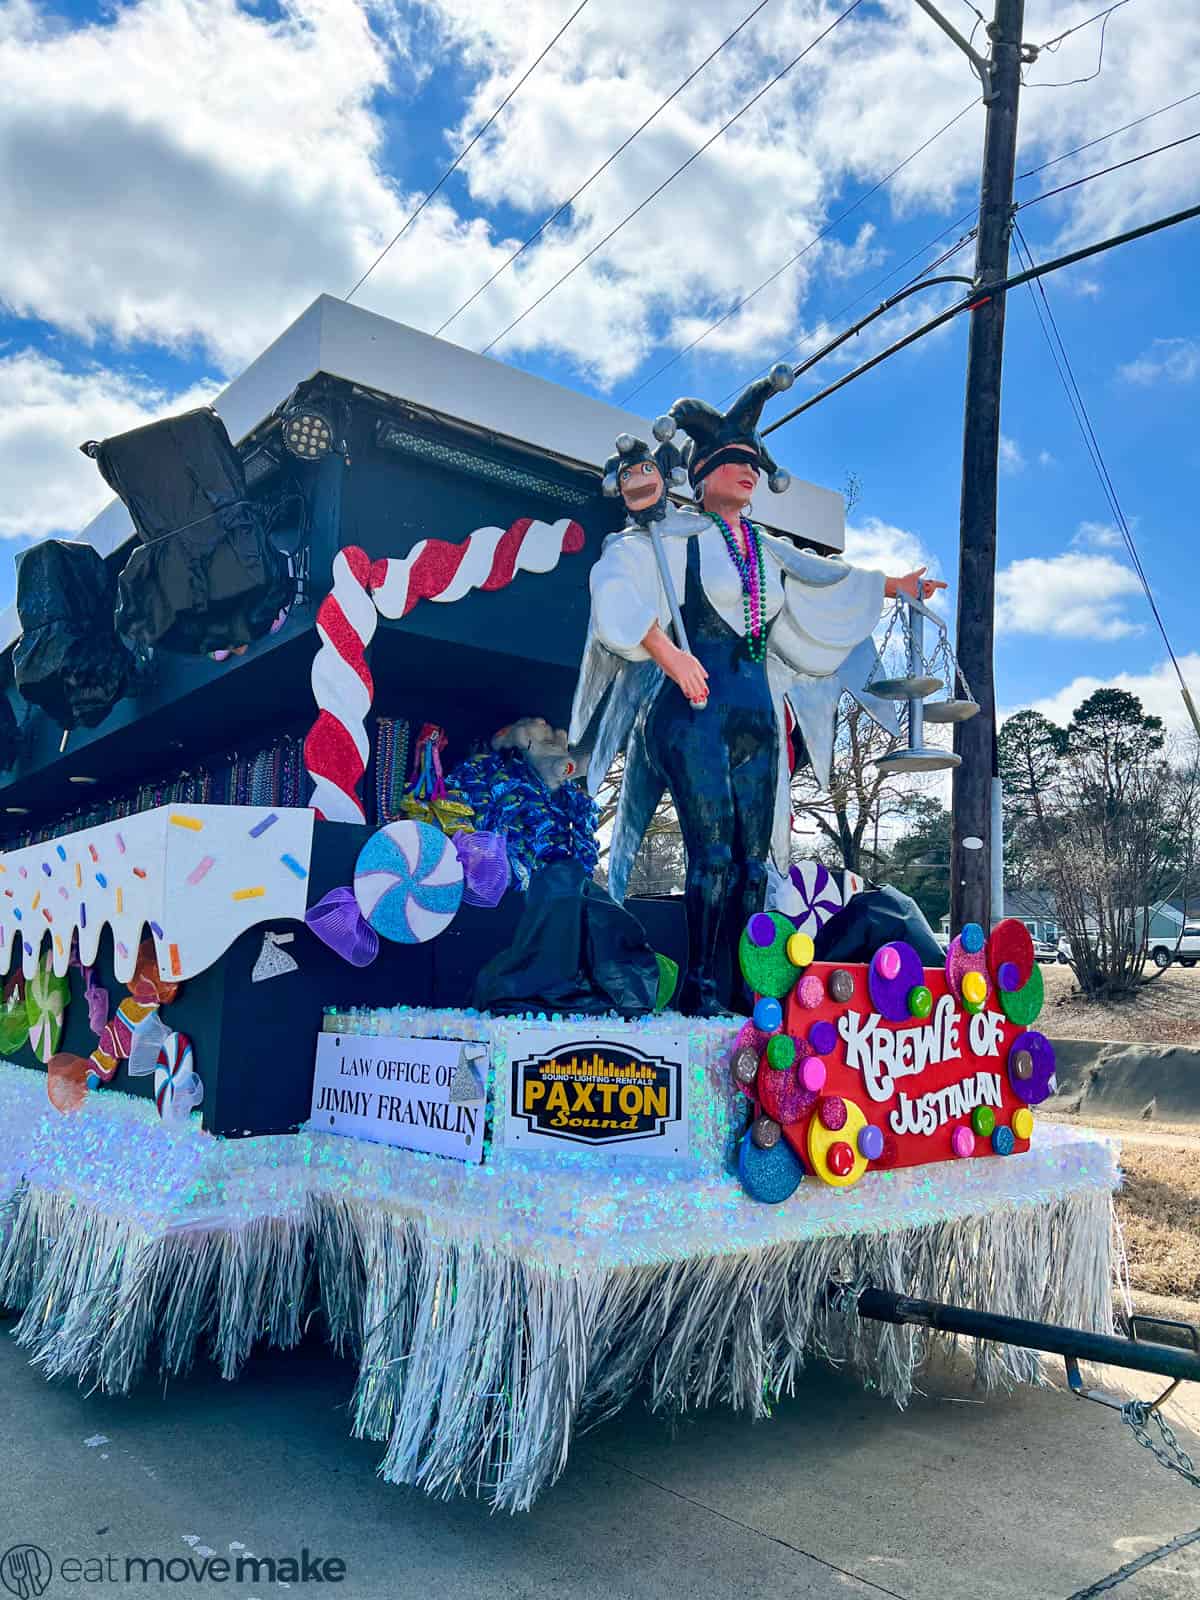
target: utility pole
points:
(975, 741)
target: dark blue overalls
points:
(720, 767)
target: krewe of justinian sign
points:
(853, 1068)
(420, 1094)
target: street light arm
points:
(981, 64)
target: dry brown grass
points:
(1165, 1011)
(1159, 1209)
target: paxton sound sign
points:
(420, 1094)
(598, 1092)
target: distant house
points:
(1036, 908)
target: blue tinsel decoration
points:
(539, 825)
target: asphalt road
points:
(1031, 1495)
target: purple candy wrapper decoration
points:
(337, 922)
(97, 999)
(486, 873)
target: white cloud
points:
(193, 172)
(1166, 361)
(1158, 690)
(1012, 458)
(46, 413)
(1045, 459)
(884, 548)
(1071, 596)
(1096, 536)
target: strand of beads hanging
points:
(749, 569)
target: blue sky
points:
(181, 177)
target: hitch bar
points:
(1166, 1360)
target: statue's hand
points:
(913, 584)
(683, 668)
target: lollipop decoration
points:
(14, 1016)
(815, 898)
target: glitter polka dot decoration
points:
(408, 882)
(858, 1069)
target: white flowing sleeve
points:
(627, 597)
(821, 623)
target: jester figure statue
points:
(762, 629)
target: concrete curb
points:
(1121, 1080)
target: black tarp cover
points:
(68, 659)
(206, 576)
(574, 950)
(876, 916)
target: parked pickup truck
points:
(1186, 952)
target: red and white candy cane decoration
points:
(336, 748)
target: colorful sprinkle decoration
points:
(178, 820)
(294, 866)
(250, 894)
(260, 828)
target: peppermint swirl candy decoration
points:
(408, 882)
(46, 999)
(177, 1086)
(816, 896)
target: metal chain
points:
(898, 609)
(1173, 1456)
(1171, 1453)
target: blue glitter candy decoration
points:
(408, 882)
(771, 1176)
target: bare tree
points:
(862, 807)
(1102, 808)
(661, 861)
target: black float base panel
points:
(255, 1043)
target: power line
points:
(571, 198)
(668, 180)
(877, 285)
(1124, 128)
(1054, 44)
(1070, 383)
(466, 150)
(792, 259)
(1030, 172)
(1103, 171)
(973, 301)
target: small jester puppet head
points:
(642, 476)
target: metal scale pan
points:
(914, 686)
(951, 710)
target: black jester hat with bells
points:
(716, 437)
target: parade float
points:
(313, 1006)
